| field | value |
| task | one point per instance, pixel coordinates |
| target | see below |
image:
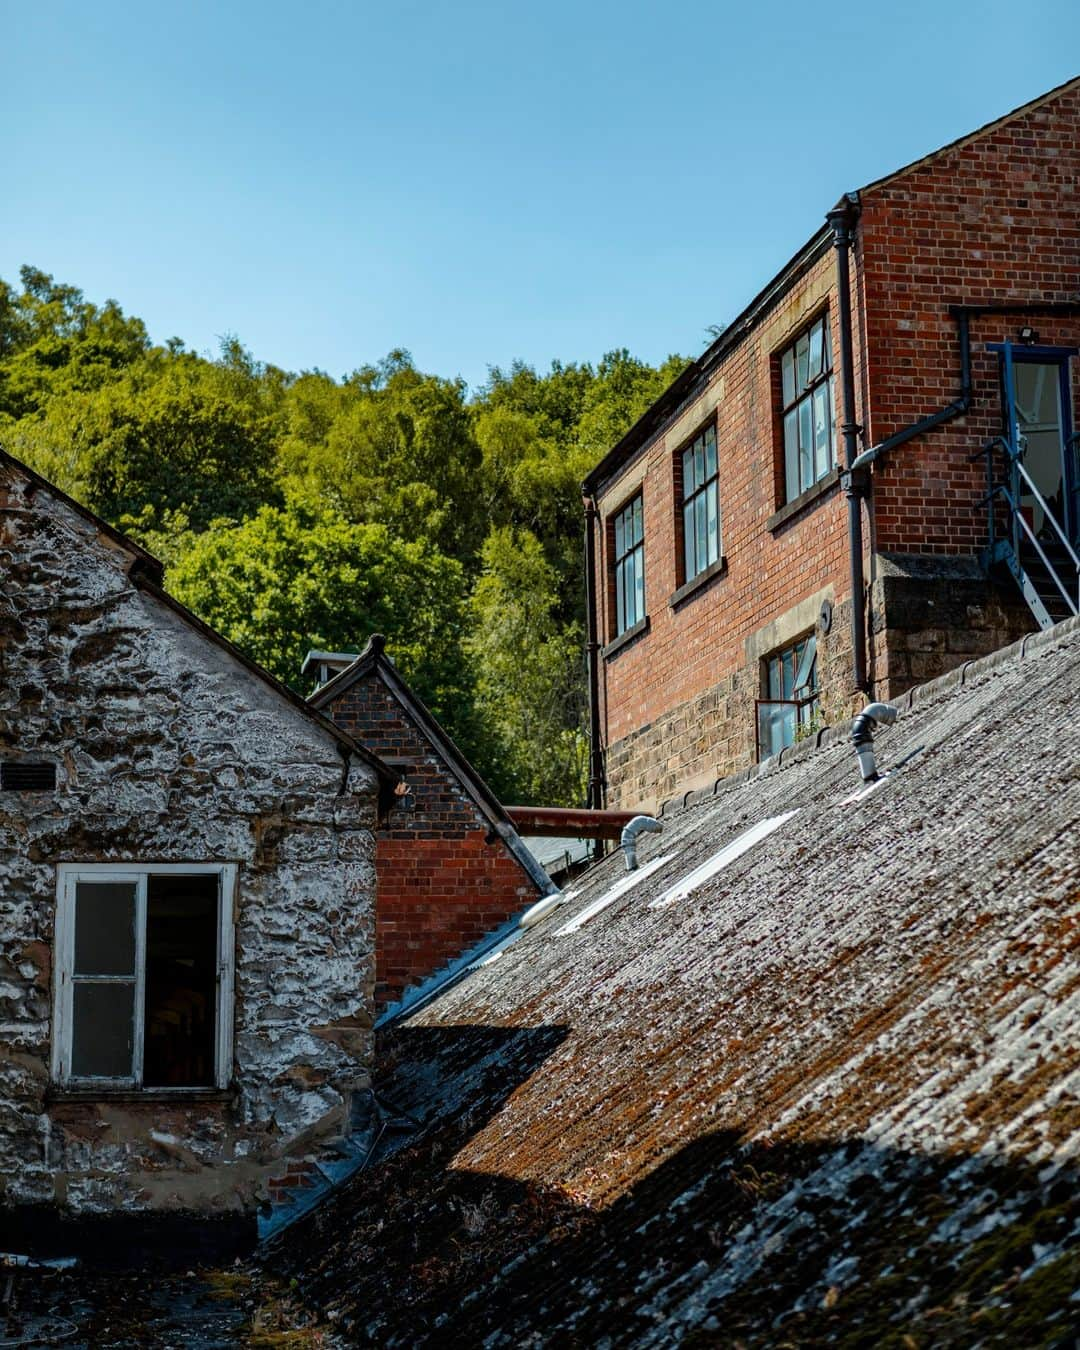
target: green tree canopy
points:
(300, 576)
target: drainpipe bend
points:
(628, 840)
(862, 736)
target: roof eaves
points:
(150, 565)
(655, 416)
(993, 125)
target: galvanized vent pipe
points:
(628, 840)
(862, 736)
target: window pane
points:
(806, 671)
(714, 524)
(702, 530)
(688, 472)
(802, 363)
(787, 370)
(699, 463)
(105, 928)
(620, 600)
(619, 550)
(181, 981)
(822, 431)
(638, 527)
(776, 686)
(788, 663)
(688, 541)
(631, 588)
(639, 585)
(806, 444)
(791, 454)
(103, 1036)
(710, 453)
(815, 354)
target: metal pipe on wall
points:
(596, 790)
(842, 219)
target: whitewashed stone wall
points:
(169, 750)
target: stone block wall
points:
(168, 749)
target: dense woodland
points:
(296, 511)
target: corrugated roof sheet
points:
(831, 1096)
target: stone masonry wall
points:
(445, 881)
(168, 750)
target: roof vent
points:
(25, 776)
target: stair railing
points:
(1010, 493)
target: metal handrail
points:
(1018, 516)
(1048, 514)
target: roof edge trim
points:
(968, 136)
(659, 412)
(373, 660)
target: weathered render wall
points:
(445, 880)
(169, 750)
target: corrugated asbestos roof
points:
(828, 1098)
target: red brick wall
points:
(699, 644)
(441, 886)
(996, 218)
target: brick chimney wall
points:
(442, 886)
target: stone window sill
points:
(698, 583)
(180, 1096)
(624, 639)
(822, 488)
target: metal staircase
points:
(1045, 565)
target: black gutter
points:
(596, 794)
(842, 220)
(676, 393)
(963, 314)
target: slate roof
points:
(830, 1097)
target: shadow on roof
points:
(822, 1243)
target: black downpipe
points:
(596, 793)
(955, 409)
(842, 219)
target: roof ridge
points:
(921, 695)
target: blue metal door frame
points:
(1010, 353)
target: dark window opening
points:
(181, 981)
(23, 776)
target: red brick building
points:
(451, 868)
(827, 445)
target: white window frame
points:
(68, 875)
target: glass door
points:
(1038, 428)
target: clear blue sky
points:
(473, 181)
